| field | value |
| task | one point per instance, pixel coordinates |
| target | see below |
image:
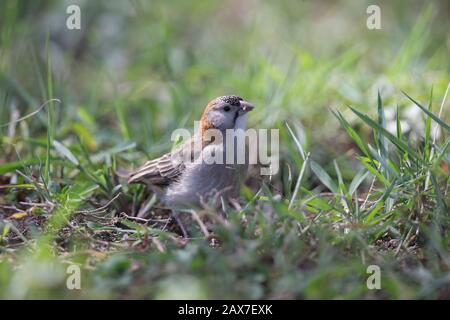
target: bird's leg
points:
(235, 204)
(180, 224)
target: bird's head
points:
(226, 112)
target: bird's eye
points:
(226, 108)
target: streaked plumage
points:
(182, 183)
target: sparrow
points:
(183, 181)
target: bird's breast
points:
(206, 179)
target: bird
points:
(180, 179)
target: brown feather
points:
(163, 171)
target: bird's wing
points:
(161, 171)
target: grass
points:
(364, 168)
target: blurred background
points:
(137, 70)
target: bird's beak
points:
(246, 106)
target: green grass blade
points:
(382, 122)
(368, 164)
(429, 113)
(357, 180)
(399, 143)
(399, 125)
(352, 133)
(50, 113)
(324, 177)
(65, 152)
(427, 150)
(299, 181)
(380, 204)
